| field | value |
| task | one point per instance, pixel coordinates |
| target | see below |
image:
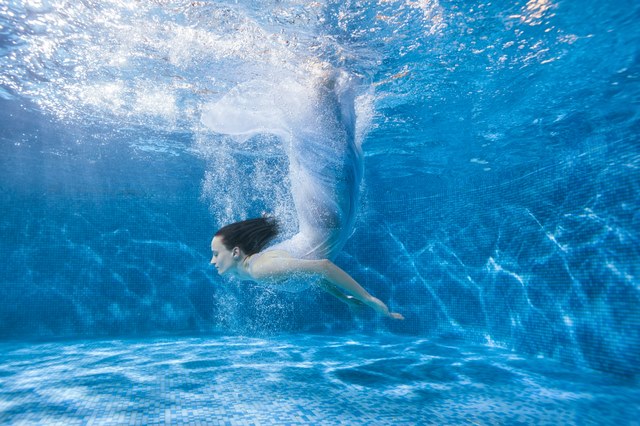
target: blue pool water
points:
(300, 379)
(497, 211)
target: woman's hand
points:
(379, 306)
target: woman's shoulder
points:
(264, 263)
(266, 257)
(272, 254)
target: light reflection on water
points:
(501, 167)
(308, 379)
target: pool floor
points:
(300, 380)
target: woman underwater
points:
(237, 251)
(314, 117)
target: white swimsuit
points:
(315, 119)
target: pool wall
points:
(542, 260)
(500, 195)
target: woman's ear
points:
(235, 252)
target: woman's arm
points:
(277, 265)
(343, 297)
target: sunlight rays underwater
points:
(498, 202)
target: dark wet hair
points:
(250, 235)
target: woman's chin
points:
(226, 272)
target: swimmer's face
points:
(223, 258)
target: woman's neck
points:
(243, 269)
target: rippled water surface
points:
(499, 204)
(312, 379)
